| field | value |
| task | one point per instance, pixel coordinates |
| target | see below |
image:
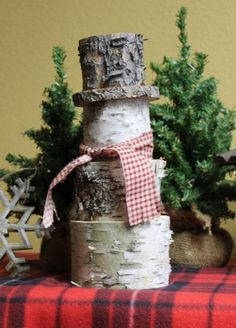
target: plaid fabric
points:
(142, 199)
(203, 298)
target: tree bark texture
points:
(112, 93)
(101, 191)
(114, 255)
(112, 60)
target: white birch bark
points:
(115, 121)
(115, 255)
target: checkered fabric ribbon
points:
(142, 199)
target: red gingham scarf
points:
(142, 199)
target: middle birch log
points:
(100, 190)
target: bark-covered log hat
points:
(113, 68)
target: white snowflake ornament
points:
(14, 218)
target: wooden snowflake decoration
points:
(14, 218)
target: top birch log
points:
(114, 96)
(115, 121)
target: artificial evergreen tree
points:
(57, 140)
(190, 127)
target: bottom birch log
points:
(115, 255)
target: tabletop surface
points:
(194, 298)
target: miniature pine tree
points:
(57, 140)
(190, 127)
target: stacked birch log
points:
(106, 251)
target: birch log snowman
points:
(120, 239)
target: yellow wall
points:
(30, 28)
